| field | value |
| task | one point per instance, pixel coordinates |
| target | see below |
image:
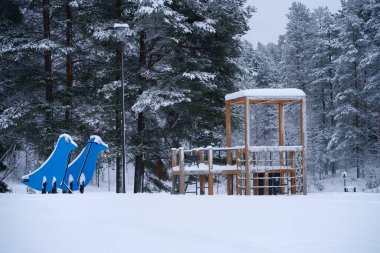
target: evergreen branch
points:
(167, 52)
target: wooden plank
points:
(247, 145)
(228, 132)
(202, 184)
(236, 101)
(241, 101)
(273, 102)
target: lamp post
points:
(120, 28)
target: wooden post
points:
(210, 175)
(229, 184)
(181, 159)
(255, 184)
(202, 184)
(281, 140)
(247, 145)
(238, 174)
(201, 156)
(292, 159)
(293, 182)
(303, 141)
(228, 131)
(266, 183)
(174, 164)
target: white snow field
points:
(109, 222)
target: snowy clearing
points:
(109, 222)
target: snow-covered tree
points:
(322, 71)
(349, 135)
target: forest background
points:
(60, 73)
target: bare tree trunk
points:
(139, 158)
(69, 63)
(47, 60)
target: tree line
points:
(60, 72)
(335, 59)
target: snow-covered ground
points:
(109, 222)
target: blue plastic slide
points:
(80, 171)
(51, 172)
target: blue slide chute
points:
(80, 171)
(52, 170)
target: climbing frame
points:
(284, 172)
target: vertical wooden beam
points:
(303, 141)
(173, 183)
(201, 156)
(229, 184)
(174, 164)
(174, 157)
(210, 184)
(282, 173)
(293, 182)
(238, 174)
(210, 174)
(247, 145)
(281, 139)
(228, 131)
(292, 159)
(181, 161)
(256, 184)
(266, 183)
(202, 184)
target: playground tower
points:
(257, 170)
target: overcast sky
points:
(269, 20)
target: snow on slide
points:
(108, 222)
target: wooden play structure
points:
(257, 170)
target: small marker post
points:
(344, 177)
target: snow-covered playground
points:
(109, 222)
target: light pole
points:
(120, 28)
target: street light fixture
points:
(119, 29)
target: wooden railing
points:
(231, 161)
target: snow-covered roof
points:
(266, 94)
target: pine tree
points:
(182, 76)
(297, 47)
(322, 71)
(349, 134)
